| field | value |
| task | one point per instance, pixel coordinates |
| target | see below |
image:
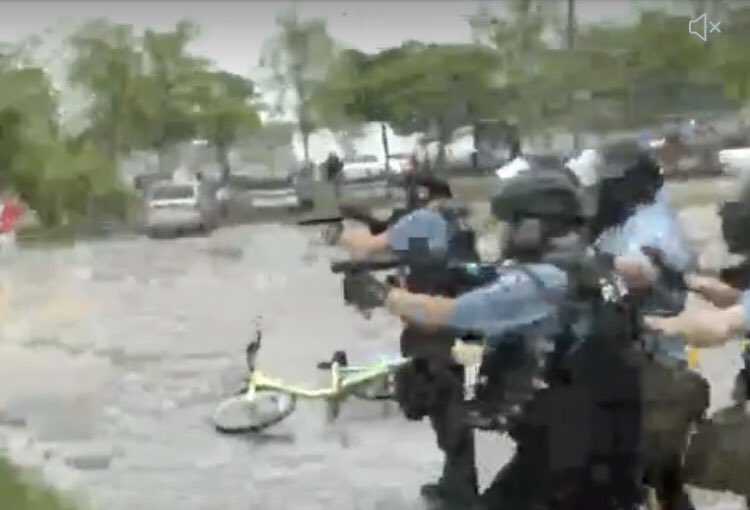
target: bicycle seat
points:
(338, 357)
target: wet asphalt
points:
(113, 355)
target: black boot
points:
(438, 497)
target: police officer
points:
(716, 450)
(526, 303)
(433, 385)
(729, 318)
(632, 216)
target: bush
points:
(19, 491)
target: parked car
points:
(401, 162)
(180, 208)
(254, 194)
(735, 156)
(362, 166)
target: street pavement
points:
(113, 355)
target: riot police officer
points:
(632, 215)
(526, 304)
(729, 293)
(433, 385)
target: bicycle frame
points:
(343, 380)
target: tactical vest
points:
(582, 398)
(429, 274)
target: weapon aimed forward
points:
(365, 292)
(351, 212)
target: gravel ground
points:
(112, 356)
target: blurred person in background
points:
(10, 214)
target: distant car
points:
(180, 208)
(362, 167)
(400, 163)
(735, 156)
(254, 194)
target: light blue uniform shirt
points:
(653, 225)
(420, 224)
(514, 303)
(745, 301)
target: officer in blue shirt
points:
(730, 316)
(526, 300)
(433, 385)
(633, 216)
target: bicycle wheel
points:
(238, 415)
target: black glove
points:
(364, 291)
(331, 234)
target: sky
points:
(233, 32)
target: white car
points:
(400, 163)
(362, 167)
(735, 161)
(179, 208)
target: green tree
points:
(520, 45)
(164, 103)
(224, 111)
(433, 87)
(107, 66)
(298, 59)
(729, 56)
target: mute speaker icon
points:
(699, 27)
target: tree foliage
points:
(298, 59)
(143, 91)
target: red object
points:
(9, 216)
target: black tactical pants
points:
(433, 386)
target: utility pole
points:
(570, 44)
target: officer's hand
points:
(666, 325)
(467, 354)
(331, 234)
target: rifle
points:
(362, 215)
(363, 291)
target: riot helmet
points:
(536, 207)
(629, 175)
(423, 187)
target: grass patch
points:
(46, 236)
(20, 491)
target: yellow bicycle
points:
(265, 401)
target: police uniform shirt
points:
(420, 224)
(653, 225)
(745, 301)
(516, 302)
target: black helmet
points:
(422, 187)
(542, 194)
(628, 157)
